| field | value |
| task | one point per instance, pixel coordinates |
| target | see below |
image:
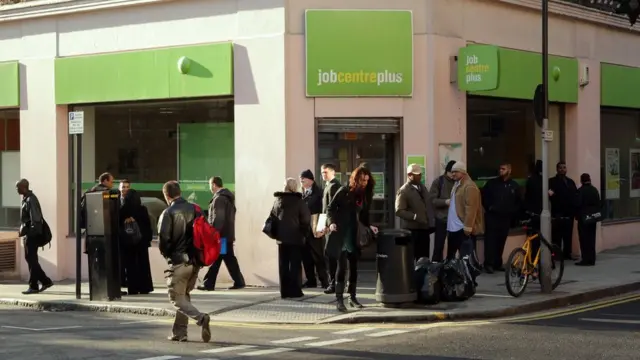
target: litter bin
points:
(395, 268)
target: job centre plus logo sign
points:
(351, 53)
(478, 68)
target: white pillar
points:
(44, 156)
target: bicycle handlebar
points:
(533, 215)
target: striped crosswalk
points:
(280, 346)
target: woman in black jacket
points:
(587, 204)
(350, 208)
(135, 252)
(292, 225)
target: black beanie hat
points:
(307, 174)
(585, 178)
(449, 166)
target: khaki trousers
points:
(181, 279)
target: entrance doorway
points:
(348, 149)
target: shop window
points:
(9, 169)
(151, 143)
(620, 163)
(500, 130)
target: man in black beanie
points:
(313, 253)
(441, 194)
(589, 213)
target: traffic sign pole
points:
(76, 128)
(545, 217)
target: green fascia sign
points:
(351, 53)
(478, 67)
(518, 74)
(169, 73)
(10, 88)
(619, 86)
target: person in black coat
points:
(134, 253)
(587, 204)
(293, 223)
(349, 207)
(313, 259)
(562, 193)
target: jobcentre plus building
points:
(255, 91)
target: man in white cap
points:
(465, 220)
(414, 208)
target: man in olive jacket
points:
(440, 191)
(222, 216)
(415, 208)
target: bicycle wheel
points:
(557, 266)
(514, 272)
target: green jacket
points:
(440, 191)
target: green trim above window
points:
(10, 84)
(519, 72)
(619, 86)
(170, 73)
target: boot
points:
(353, 301)
(339, 298)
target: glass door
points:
(349, 150)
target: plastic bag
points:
(458, 279)
(428, 281)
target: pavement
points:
(570, 333)
(616, 272)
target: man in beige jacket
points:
(465, 220)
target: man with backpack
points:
(36, 233)
(176, 244)
(441, 197)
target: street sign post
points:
(76, 129)
(545, 217)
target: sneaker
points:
(206, 330)
(178, 338)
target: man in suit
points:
(331, 187)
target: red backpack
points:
(206, 239)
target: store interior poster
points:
(634, 173)
(448, 152)
(612, 177)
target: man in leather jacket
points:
(32, 229)
(175, 234)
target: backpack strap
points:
(440, 185)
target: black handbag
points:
(594, 218)
(132, 232)
(270, 227)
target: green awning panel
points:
(169, 73)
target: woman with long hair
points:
(349, 208)
(293, 223)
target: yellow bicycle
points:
(523, 267)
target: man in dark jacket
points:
(502, 202)
(562, 194)
(175, 236)
(222, 216)
(313, 252)
(587, 205)
(33, 229)
(105, 182)
(533, 192)
(441, 197)
(414, 208)
(331, 187)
